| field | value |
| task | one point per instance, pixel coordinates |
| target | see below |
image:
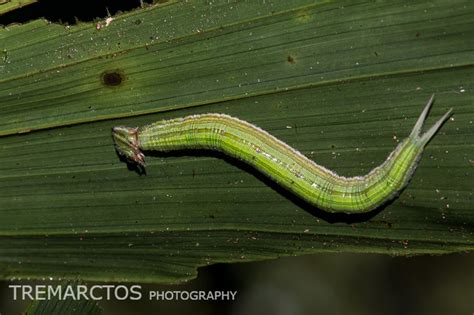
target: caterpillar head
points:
(126, 144)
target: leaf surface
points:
(342, 82)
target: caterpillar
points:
(286, 166)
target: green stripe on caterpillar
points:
(286, 166)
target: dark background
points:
(331, 283)
(70, 12)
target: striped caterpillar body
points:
(289, 168)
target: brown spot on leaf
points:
(112, 77)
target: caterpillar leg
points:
(423, 139)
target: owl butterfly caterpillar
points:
(286, 166)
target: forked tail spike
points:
(423, 139)
(426, 137)
(419, 123)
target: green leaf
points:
(342, 82)
(10, 5)
(69, 305)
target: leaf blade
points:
(64, 193)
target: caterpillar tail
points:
(423, 139)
